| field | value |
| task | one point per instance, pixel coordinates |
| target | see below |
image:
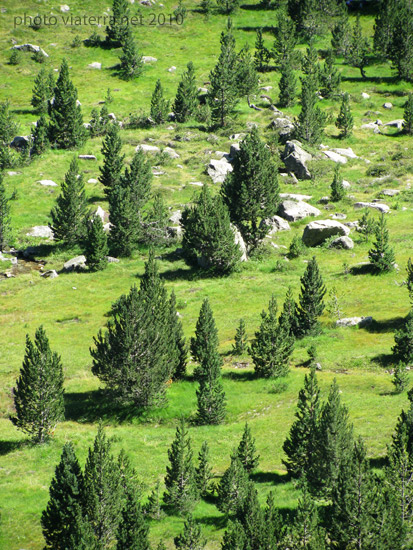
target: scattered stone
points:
(218, 169)
(49, 274)
(241, 243)
(203, 91)
(196, 183)
(380, 207)
(176, 217)
(107, 227)
(318, 231)
(354, 321)
(371, 126)
(234, 150)
(296, 210)
(112, 260)
(95, 65)
(13, 173)
(64, 8)
(75, 264)
(101, 213)
(87, 157)
(324, 200)
(396, 123)
(148, 59)
(365, 96)
(295, 158)
(284, 127)
(171, 153)
(342, 242)
(390, 192)
(92, 180)
(295, 196)
(349, 153)
(266, 88)
(338, 216)
(29, 48)
(335, 157)
(275, 223)
(172, 69)
(346, 184)
(388, 105)
(148, 148)
(40, 231)
(352, 225)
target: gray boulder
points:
(284, 126)
(296, 210)
(112, 260)
(234, 149)
(218, 169)
(241, 243)
(95, 65)
(390, 192)
(335, 157)
(275, 224)
(388, 105)
(47, 183)
(395, 123)
(295, 196)
(295, 158)
(376, 205)
(29, 48)
(318, 231)
(40, 231)
(49, 274)
(171, 153)
(354, 321)
(342, 242)
(75, 264)
(148, 59)
(87, 157)
(148, 148)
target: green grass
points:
(73, 307)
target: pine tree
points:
(234, 537)
(42, 91)
(223, 92)
(345, 119)
(206, 340)
(400, 378)
(381, 255)
(191, 537)
(131, 64)
(285, 40)
(180, 350)
(118, 28)
(181, 492)
(110, 172)
(208, 238)
(409, 280)
(155, 228)
(8, 125)
(403, 338)
(232, 489)
(138, 178)
(287, 85)
(272, 345)
(337, 190)
(246, 450)
(40, 139)
(307, 16)
(96, 245)
(206, 6)
(103, 490)
(310, 303)
(66, 128)
(186, 100)
(4, 216)
(274, 528)
(125, 232)
(288, 316)
(159, 105)
(211, 398)
(228, 6)
(310, 65)
(305, 531)
(262, 54)
(408, 115)
(241, 342)
(358, 49)
(153, 506)
(341, 34)
(133, 528)
(65, 503)
(251, 190)
(246, 74)
(69, 214)
(15, 57)
(203, 472)
(400, 46)
(330, 77)
(38, 394)
(251, 517)
(301, 443)
(311, 120)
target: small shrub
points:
(400, 379)
(296, 248)
(39, 57)
(278, 386)
(15, 58)
(94, 40)
(77, 42)
(377, 170)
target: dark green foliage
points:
(203, 472)
(211, 398)
(138, 179)
(251, 190)
(181, 492)
(311, 120)
(408, 115)
(180, 12)
(66, 128)
(133, 528)
(345, 119)
(305, 531)
(206, 6)
(341, 34)
(179, 350)
(42, 91)
(208, 238)
(99, 122)
(251, 517)
(96, 245)
(400, 378)
(227, 6)
(40, 137)
(358, 48)
(274, 527)
(8, 124)
(381, 255)
(232, 488)
(307, 15)
(159, 105)
(155, 228)
(310, 65)
(205, 343)
(69, 214)
(296, 248)
(403, 338)
(39, 56)
(246, 450)
(191, 537)
(110, 172)
(247, 76)
(285, 40)
(223, 92)
(153, 506)
(186, 100)
(125, 221)
(310, 303)
(262, 55)
(330, 77)
(118, 29)
(15, 58)
(409, 280)
(4, 216)
(367, 225)
(131, 64)
(337, 190)
(288, 316)
(38, 394)
(272, 346)
(287, 85)
(234, 537)
(301, 443)
(104, 497)
(241, 342)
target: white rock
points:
(49, 274)
(112, 116)
(295, 158)
(47, 183)
(92, 180)
(240, 242)
(338, 216)
(275, 224)
(296, 210)
(64, 8)
(342, 242)
(346, 184)
(13, 173)
(318, 231)
(172, 69)
(171, 153)
(295, 196)
(388, 105)
(40, 231)
(335, 157)
(196, 183)
(176, 217)
(203, 91)
(377, 206)
(218, 169)
(79, 262)
(390, 192)
(365, 96)
(148, 148)
(95, 65)
(354, 321)
(101, 213)
(29, 48)
(396, 123)
(148, 59)
(266, 88)
(87, 157)
(349, 153)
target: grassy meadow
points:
(74, 306)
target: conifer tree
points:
(186, 100)
(310, 303)
(274, 528)
(191, 537)
(287, 85)
(4, 216)
(232, 488)
(288, 316)
(400, 47)
(311, 120)
(228, 6)
(65, 503)
(205, 341)
(203, 472)
(66, 128)
(301, 443)
(409, 280)
(358, 49)
(247, 76)
(345, 119)
(117, 30)
(208, 238)
(310, 65)
(133, 528)
(381, 255)
(138, 178)
(15, 57)
(125, 232)
(153, 506)
(40, 139)
(337, 190)
(403, 338)
(251, 190)
(408, 115)
(285, 40)
(241, 342)
(110, 172)
(211, 398)
(180, 350)
(307, 16)
(96, 245)
(234, 537)
(251, 517)
(262, 54)
(69, 214)
(159, 105)
(131, 64)
(155, 229)
(104, 497)
(341, 34)
(181, 492)
(42, 91)
(8, 124)
(305, 531)
(272, 346)
(400, 378)
(246, 450)
(330, 77)
(38, 394)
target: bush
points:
(296, 248)
(77, 42)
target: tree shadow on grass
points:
(388, 325)
(254, 29)
(384, 360)
(42, 250)
(7, 447)
(376, 79)
(219, 522)
(378, 462)
(91, 406)
(240, 376)
(270, 477)
(364, 269)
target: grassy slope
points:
(72, 316)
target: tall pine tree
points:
(118, 28)
(42, 91)
(311, 120)
(96, 245)
(381, 255)
(110, 172)
(345, 119)
(159, 105)
(310, 303)
(131, 64)
(246, 450)
(186, 100)
(4, 216)
(191, 537)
